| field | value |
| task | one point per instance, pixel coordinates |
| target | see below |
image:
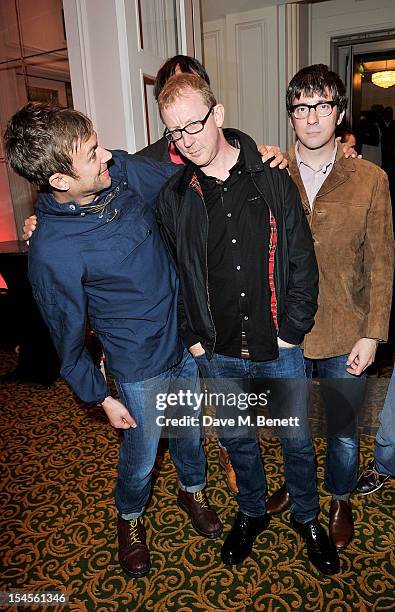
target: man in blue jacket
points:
(97, 254)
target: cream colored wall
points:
(250, 58)
(241, 57)
(341, 17)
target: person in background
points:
(387, 128)
(344, 134)
(162, 149)
(382, 467)
(348, 207)
(370, 134)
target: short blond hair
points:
(181, 84)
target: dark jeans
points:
(342, 394)
(384, 449)
(232, 375)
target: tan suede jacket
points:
(351, 224)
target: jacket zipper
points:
(207, 291)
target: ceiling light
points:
(385, 79)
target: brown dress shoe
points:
(341, 524)
(224, 461)
(203, 518)
(279, 501)
(133, 554)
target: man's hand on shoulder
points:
(348, 150)
(29, 226)
(117, 413)
(268, 151)
(362, 356)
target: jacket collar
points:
(46, 202)
(339, 174)
(252, 158)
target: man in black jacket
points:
(166, 151)
(240, 240)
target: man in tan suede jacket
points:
(348, 206)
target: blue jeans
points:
(342, 395)
(233, 375)
(139, 446)
(384, 449)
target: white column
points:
(99, 67)
(294, 40)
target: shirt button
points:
(234, 240)
(72, 207)
(239, 172)
(229, 215)
(242, 294)
(246, 318)
(238, 267)
(225, 189)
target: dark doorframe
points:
(345, 50)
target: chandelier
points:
(385, 78)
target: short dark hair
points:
(316, 79)
(185, 63)
(40, 138)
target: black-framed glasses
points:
(323, 109)
(192, 128)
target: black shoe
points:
(320, 550)
(370, 480)
(239, 541)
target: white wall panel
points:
(214, 54)
(256, 53)
(252, 73)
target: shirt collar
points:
(323, 168)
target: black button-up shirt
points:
(238, 265)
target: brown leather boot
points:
(341, 523)
(133, 553)
(224, 461)
(279, 501)
(203, 518)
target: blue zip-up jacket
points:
(111, 266)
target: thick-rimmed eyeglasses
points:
(323, 109)
(192, 128)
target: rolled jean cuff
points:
(131, 515)
(193, 488)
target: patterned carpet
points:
(58, 527)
